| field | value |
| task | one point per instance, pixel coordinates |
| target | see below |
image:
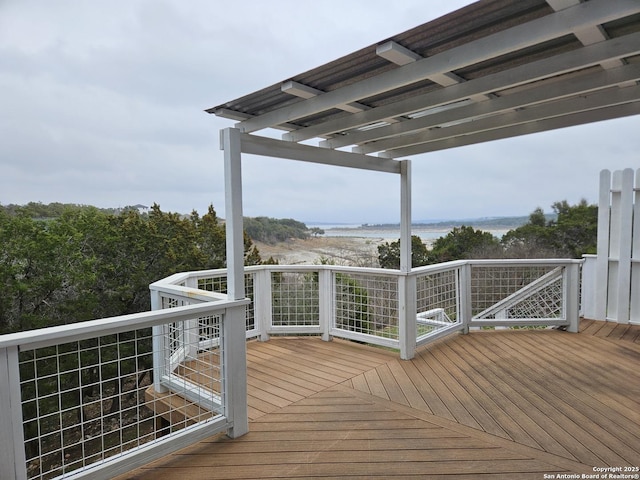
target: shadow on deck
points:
(495, 404)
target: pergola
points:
(494, 69)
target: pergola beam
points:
(516, 38)
(270, 147)
(563, 63)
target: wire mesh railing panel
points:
(218, 283)
(295, 299)
(437, 299)
(87, 401)
(367, 303)
(517, 292)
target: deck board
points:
(488, 405)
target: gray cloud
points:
(103, 104)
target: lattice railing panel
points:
(520, 292)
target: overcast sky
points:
(102, 104)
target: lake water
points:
(428, 235)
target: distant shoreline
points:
(489, 224)
(427, 231)
(428, 235)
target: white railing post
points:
(572, 294)
(235, 371)
(588, 292)
(262, 304)
(190, 329)
(407, 320)
(325, 300)
(12, 455)
(465, 306)
(159, 342)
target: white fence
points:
(95, 399)
(611, 279)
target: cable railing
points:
(95, 399)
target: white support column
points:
(230, 143)
(235, 348)
(405, 216)
(406, 283)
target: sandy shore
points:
(356, 251)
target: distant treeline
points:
(259, 229)
(56, 209)
(481, 223)
(272, 230)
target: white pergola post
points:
(405, 216)
(235, 351)
(407, 282)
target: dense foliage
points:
(389, 253)
(573, 233)
(88, 264)
(570, 232)
(461, 243)
(273, 230)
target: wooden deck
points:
(494, 405)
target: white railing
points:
(79, 400)
(399, 310)
(94, 399)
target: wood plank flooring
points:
(488, 405)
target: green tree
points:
(531, 240)
(271, 230)
(573, 233)
(576, 228)
(463, 242)
(389, 253)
